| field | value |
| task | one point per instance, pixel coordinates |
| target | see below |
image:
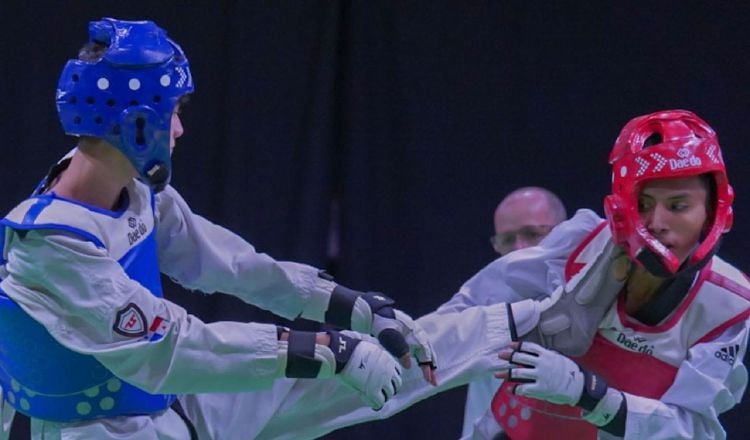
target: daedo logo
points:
(637, 343)
(686, 159)
(139, 229)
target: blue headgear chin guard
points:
(127, 97)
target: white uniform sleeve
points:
(201, 255)
(467, 344)
(706, 386)
(526, 273)
(75, 290)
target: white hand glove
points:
(373, 313)
(419, 344)
(373, 373)
(397, 332)
(545, 374)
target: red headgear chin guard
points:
(685, 146)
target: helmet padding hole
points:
(653, 139)
(140, 139)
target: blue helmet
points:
(127, 97)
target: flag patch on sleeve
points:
(158, 329)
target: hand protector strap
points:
(341, 310)
(371, 313)
(606, 409)
(594, 389)
(301, 357)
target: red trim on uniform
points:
(722, 328)
(729, 284)
(736, 288)
(571, 266)
(675, 317)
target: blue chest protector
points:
(43, 379)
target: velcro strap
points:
(380, 304)
(594, 389)
(609, 413)
(340, 307)
(301, 360)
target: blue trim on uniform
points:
(53, 226)
(141, 263)
(98, 210)
(35, 210)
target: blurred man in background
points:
(524, 217)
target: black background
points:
(397, 124)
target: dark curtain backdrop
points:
(374, 138)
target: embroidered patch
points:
(130, 322)
(158, 329)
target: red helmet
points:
(673, 143)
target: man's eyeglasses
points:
(529, 235)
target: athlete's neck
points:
(640, 287)
(97, 174)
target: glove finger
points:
(524, 359)
(394, 342)
(418, 338)
(397, 380)
(373, 400)
(423, 359)
(388, 391)
(531, 348)
(423, 350)
(522, 375)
